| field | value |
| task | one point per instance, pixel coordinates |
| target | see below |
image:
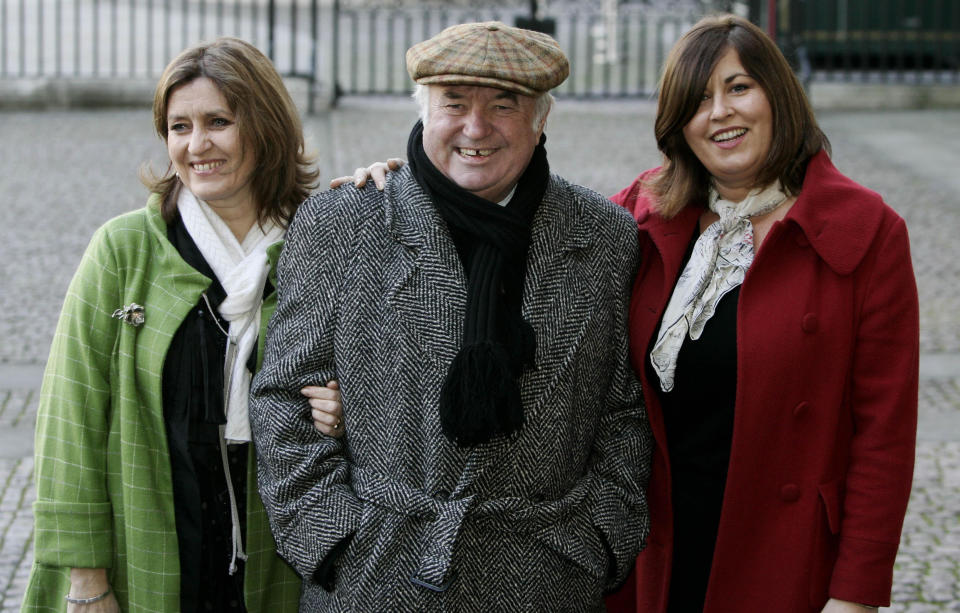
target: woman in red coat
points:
(774, 323)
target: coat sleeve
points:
(615, 511)
(624, 445)
(304, 475)
(884, 402)
(73, 516)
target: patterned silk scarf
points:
(718, 264)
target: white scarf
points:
(718, 264)
(242, 270)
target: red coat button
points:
(810, 322)
(790, 492)
(801, 409)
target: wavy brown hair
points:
(796, 135)
(267, 120)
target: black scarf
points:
(480, 398)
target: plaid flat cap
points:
(491, 54)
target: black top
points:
(698, 417)
(193, 410)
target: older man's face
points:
(481, 138)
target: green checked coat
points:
(104, 493)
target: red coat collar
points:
(671, 237)
(836, 215)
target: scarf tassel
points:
(480, 399)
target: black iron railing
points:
(341, 47)
(347, 47)
(612, 54)
(874, 40)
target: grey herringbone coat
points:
(372, 292)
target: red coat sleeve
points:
(883, 397)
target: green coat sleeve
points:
(72, 511)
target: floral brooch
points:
(131, 314)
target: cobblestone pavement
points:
(63, 173)
(17, 414)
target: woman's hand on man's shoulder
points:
(376, 171)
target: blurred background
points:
(77, 80)
(356, 47)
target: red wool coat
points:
(826, 408)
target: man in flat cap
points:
(474, 313)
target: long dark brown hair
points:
(266, 118)
(796, 135)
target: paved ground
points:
(63, 173)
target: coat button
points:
(441, 494)
(810, 322)
(790, 492)
(801, 409)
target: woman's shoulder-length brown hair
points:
(796, 135)
(266, 117)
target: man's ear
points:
(543, 124)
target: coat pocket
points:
(826, 531)
(578, 543)
(564, 584)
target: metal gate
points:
(339, 47)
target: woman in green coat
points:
(146, 491)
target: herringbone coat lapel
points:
(558, 296)
(426, 284)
